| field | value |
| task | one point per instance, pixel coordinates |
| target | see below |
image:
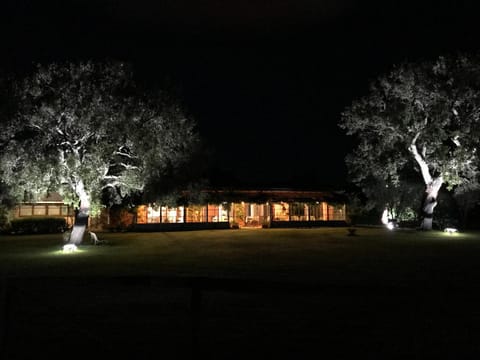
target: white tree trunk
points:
(81, 220)
(429, 202)
(432, 185)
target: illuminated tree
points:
(85, 129)
(424, 116)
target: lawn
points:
(322, 254)
(244, 293)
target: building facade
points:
(221, 210)
(51, 205)
(248, 208)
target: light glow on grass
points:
(61, 253)
(69, 248)
(450, 230)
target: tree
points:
(421, 115)
(398, 202)
(85, 129)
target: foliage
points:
(420, 116)
(401, 200)
(194, 193)
(88, 127)
(38, 225)
(4, 218)
(467, 199)
(447, 212)
(121, 219)
(6, 204)
(360, 210)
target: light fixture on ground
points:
(69, 248)
(450, 230)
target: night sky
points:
(265, 80)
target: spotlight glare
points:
(390, 225)
(450, 230)
(69, 248)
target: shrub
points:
(4, 221)
(121, 219)
(38, 225)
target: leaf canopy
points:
(433, 104)
(89, 122)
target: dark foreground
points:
(158, 318)
(320, 294)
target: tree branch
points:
(125, 154)
(110, 185)
(427, 178)
(128, 167)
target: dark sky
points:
(265, 80)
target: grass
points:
(324, 254)
(373, 304)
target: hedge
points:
(38, 225)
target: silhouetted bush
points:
(4, 223)
(38, 225)
(121, 219)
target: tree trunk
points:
(81, 219)
(432, 185)
(429, 202)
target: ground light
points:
(69, 248)
(61, 252)
(391, 225)
(450, 230)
